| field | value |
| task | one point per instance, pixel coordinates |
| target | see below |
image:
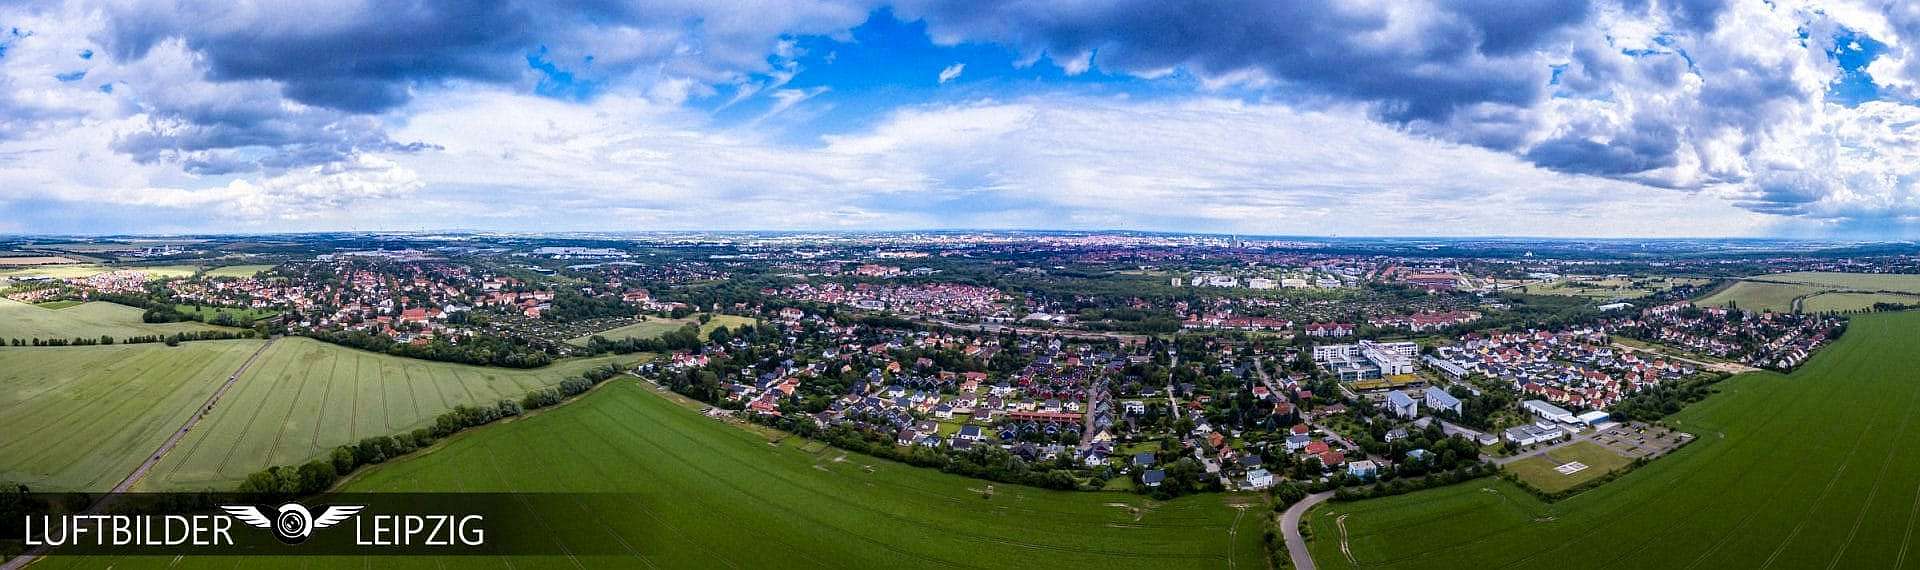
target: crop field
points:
(237, 270)
(1816, 291)
(304, 397)
(1818, 469)
(1581, 462)
(655, 326)
(90, 269)
(85, 320)
(1755, 296)
(693, 492)
(81, 418)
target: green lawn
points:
(86, 320)
(237, 270)
(57, 305)
(1853, 301)
(1819, 469)
(691, 492)
(83, 417)
(1899, 283)
(1540, 470)
(304, 397)
(655, 326)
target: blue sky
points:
(1578, 118)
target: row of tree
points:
(317, 476)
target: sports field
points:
(1819, 469)
(86, 320)
(1567, 467)
(655, 326)
(698, 493)
(237, 270)
(83, 417)
(304, 397)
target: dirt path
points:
(132, 478)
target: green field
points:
(208, 313)
(697, 493)
(655, 326)
(90, 269)
(237, 270)
(1817, 291)
(57, 305)
(1611, 287)
(1819, 469)
(304, 397)
(83, 417)
(86, 320)
(1539, 470)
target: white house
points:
(1259, 479)
(1400, 404)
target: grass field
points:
(208, 313)
(57, 305)
(697, 493)
(655, 326)
(1753, 296)
(237, 270)
(1540, 470)
(304, 397)
(1818, 291)
(1611, 287)
(86, 320)
(84, 417)
(90, 269)
(1820, 469)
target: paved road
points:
(126, 484)
(1290, 527)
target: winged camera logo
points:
(293, 523)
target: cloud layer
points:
(1589, 117)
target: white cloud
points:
(952, 72)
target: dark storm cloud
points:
(1458, 54)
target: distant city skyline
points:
(1579, 119)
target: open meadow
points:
(81, 418)
(655, 326)
(85, 320)
(687, 491)
(1818, 469)
(304, 397)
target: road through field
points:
(141, 471)
(1290, 526)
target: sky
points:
(1571, 118)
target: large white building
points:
(1366, 359)
(1549, 412)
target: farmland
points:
(692, 491)
(237, 270)
(304, 397)
(1817, 469)
(83, 417)
(86, 320)
(1817, 292)
(89, 270)
(655, 326)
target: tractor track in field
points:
(100, 504)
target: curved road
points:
(1290, 526)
